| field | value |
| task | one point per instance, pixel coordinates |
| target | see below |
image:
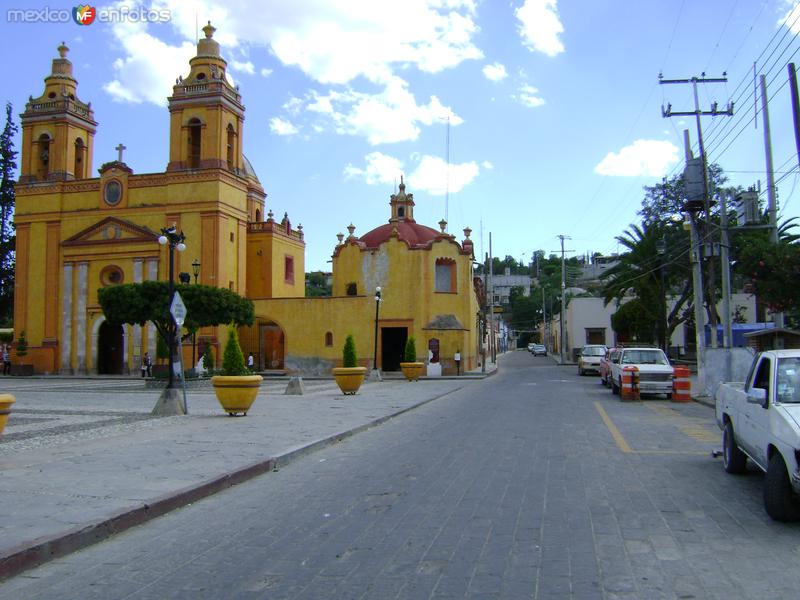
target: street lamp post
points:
(375, 347)
(175, 240)
(195, 272)
(661, 249)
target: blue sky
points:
(554, 106)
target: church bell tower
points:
(206, 114)
(57, 129)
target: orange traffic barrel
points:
(630, 384)
(681, 385)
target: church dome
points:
(414, 234)
(248, 171)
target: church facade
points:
(77, 233)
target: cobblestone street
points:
(534, 483)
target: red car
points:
(612, 354)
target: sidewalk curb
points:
(27, 556)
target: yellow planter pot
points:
(236, 393)
(6, 400)
(412, 370)
(349, 379)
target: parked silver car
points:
(589, 359)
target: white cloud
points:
(266, 72)
(495, 72)
(540, 26)
(280, 126)
(431, 175)
(792, 16)
(150, 68)
(643, 158)
(487, 165)
(380, 168)
(528, 96)
(390, 116)
(243, 66)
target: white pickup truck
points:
(760, 420)
(655, 372)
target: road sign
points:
(178, 309)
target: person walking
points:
(250, 361)
(6, 360)
(147, 365)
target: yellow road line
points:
(615, 433)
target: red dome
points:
(414, 234)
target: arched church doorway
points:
(273, 345)
(110, 349)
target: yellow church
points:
(77, 233)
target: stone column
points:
(151, 275)
(136, 342)
(82, 290)
(66, 320)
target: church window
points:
(201, 76)
(351, 289)
(258, 216)
(111, 275)
(195, 135)
(231, 147)
(328, 339)
(80, 153)
(288, 269)
(401, 212)
(44, 156)
(112, 192)
(51, 95)
(445, 275)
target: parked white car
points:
(760, 420)
(589, 359)
(655, 372)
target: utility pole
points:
(668, 112)
(727, 330)
(492, 347)
(795, 107)
(563, 296)
(772, 201)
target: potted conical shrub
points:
(21, 367)
(236, 388)
(411, 368)
(349, 376)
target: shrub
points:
(208, 358)
(162, 349)
(233, 359)
(411, 350)
(349, 357)
(22, 345)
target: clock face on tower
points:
(112, 193)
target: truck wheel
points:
(733, 459)
(614, 388)
(779, 500)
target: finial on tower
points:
(209, 30)
(62, 50)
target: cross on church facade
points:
(119, 150)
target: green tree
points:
(317, 284)
(22, 345)
(634, 321)
(410, 354)
(8, 166)
(232, 358)
(138, 303)
(638, 274)
(208, 358)
(349, 357)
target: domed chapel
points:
(77, 233)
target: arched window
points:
(80, 158)
(328, 339)
(401, 212)
(231, 147)
(445, 275)
(43, 167)
(195, 135)
(258, 215)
